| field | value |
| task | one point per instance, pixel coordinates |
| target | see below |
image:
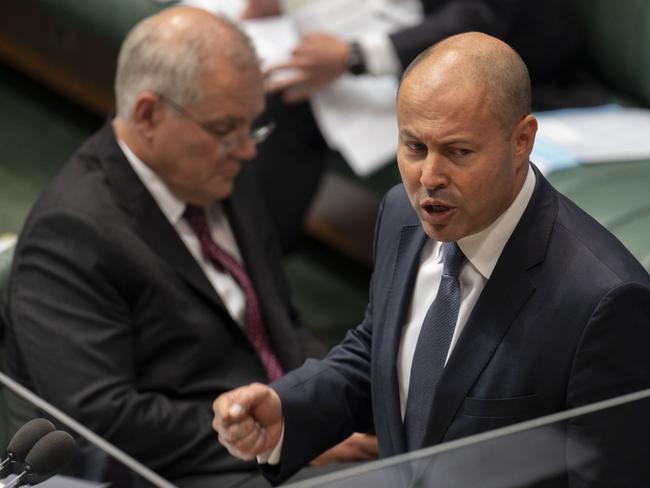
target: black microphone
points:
(23, 441)
(51, 453)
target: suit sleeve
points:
(68, 292)
(325, 401)
(611, 447)
(495, 18)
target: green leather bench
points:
(617, 44)
(617, 194)
(70, 45)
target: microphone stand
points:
(17, 480)
(154, 478)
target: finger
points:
(236, 452)
(285, 83)
(298, 93)
(247, 13)
(252, 443)
(235, 432)
(233, 406)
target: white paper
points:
(355, 114)
(273, 38)
(592, 135)
(357, 117)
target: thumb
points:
(244, 401)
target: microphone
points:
(95, 440)
(50, 453)
(23, 441)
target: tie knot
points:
(195, 216)
(452, 258)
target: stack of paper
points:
(591, 135)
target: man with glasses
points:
(147, 278)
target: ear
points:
(146, 114)
(524, 137)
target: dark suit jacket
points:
(113, 321)
(543, 33)
(563, 321)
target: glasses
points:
(228, 138)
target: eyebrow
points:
(407, 133)
(227, 121)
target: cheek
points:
(410, 174)
(489, 190)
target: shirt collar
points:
(484, 248)
(170, 205)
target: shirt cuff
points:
(272, 456)
(379, 54)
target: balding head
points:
(478, 60)
(165, 53)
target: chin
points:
(224, 192)
(442, 233)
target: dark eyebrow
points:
(459, 140)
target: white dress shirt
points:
(482, 251)
(172, 208)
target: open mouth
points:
(437, 213)
(436, 209)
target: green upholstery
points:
(618, 196)
(72, 45)
(110, 19)
(617, 43)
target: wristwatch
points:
(356, 63)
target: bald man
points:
(147, 278)
(493, 300)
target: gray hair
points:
(153, 58)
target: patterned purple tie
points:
(253, 323)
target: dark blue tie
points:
(432, 347)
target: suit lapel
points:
(148, 220)
(407, 259)
(503, 297)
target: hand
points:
(256, 9)
(248, 420)
(317, 61)
(357, 447)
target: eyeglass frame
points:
(257, 135)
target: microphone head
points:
(50, 454)
(25, 438)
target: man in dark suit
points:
(544, 35)
(147, 278)
(493, 300)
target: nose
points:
(247, 150)
(434, 172)
(242, 147)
